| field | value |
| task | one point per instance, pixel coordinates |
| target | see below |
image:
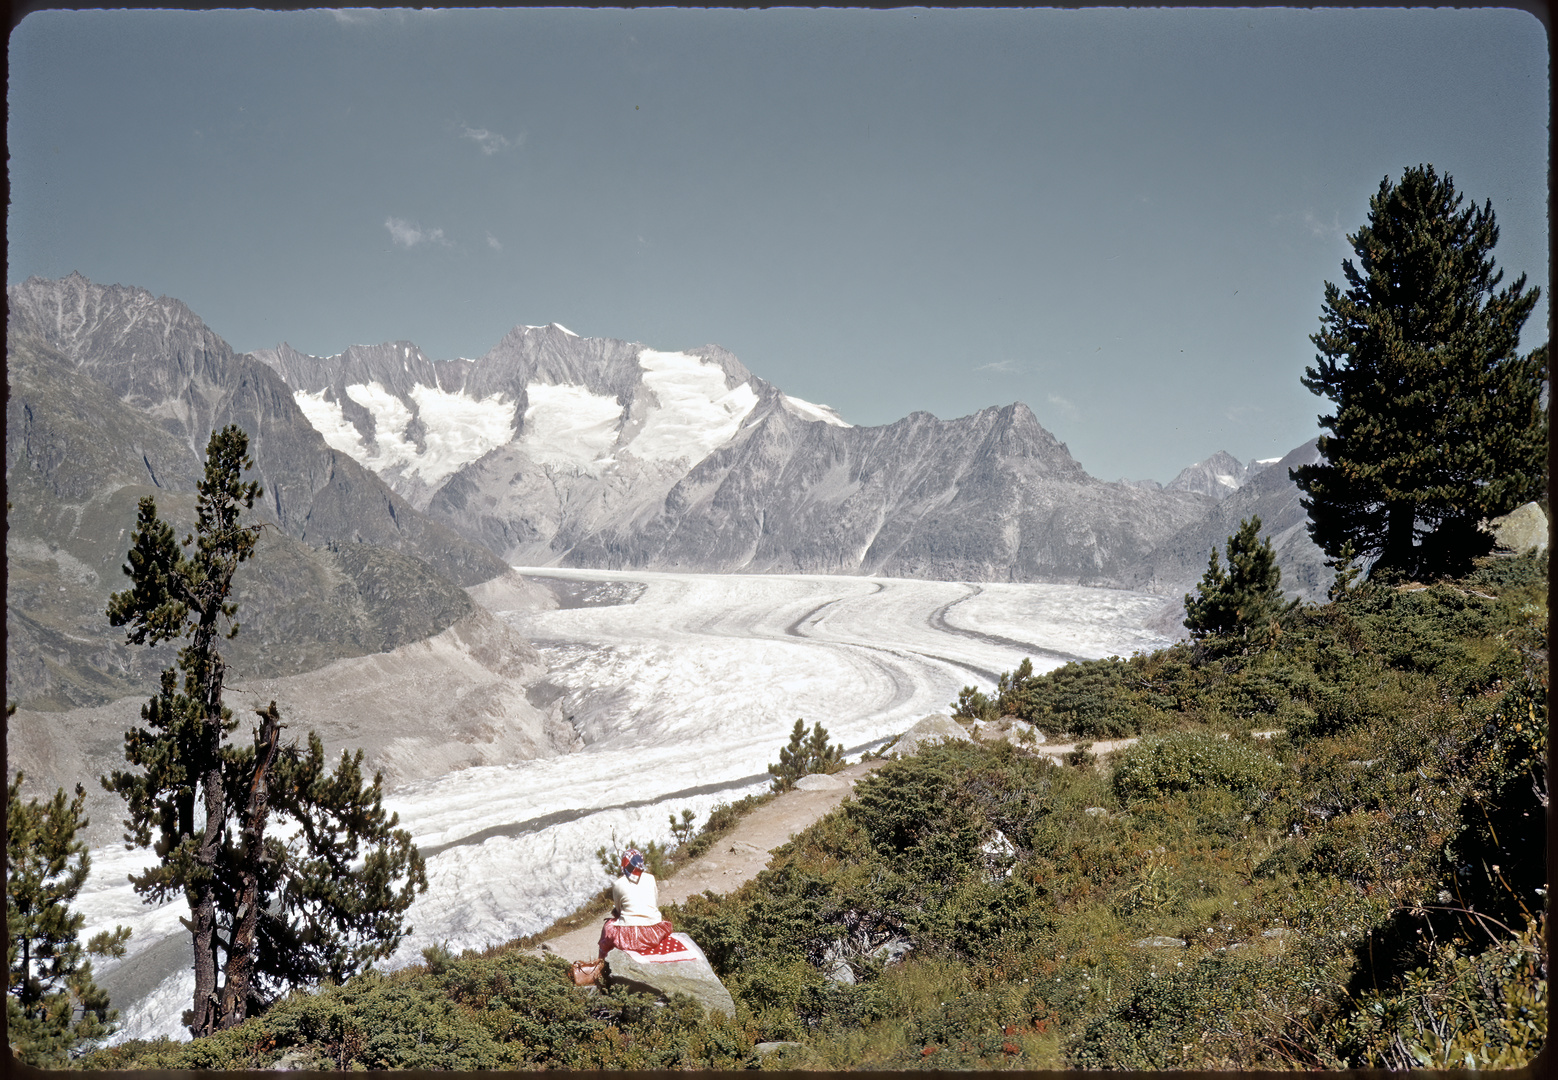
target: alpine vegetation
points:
(266, 912)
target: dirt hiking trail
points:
(737, 858)
(740, 855)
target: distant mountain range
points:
(394, 480)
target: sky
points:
(1122, 218)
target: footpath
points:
(737, 858)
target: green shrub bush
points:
(1161, 765)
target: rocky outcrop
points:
(78, 458)
(1007, 729)
(992, 496)
(932, 729)
(1218, 477)
(694, 977)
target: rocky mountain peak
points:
(1218, 476)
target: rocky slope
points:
(112, 396)
(78, 459)
(160, 360)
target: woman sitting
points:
(636, 922)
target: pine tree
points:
(805, 755)
(1438, 419)
(1244, 599)
(264, 914)
(52, 1005)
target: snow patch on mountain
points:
(570, 428)
(806, 410)
(457, 429)
(694, 411)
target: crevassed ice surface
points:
(694, 412)
(459, 429)
(684, 696)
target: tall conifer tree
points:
(264, 914)
(1438, 419)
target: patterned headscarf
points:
(632, 862)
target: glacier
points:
(683, 694)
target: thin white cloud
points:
(364, 16)
(1001, 367)
(490, 142)
(409, 235)
(492, 242)
(1323, 230)
(1062, 404)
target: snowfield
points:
(683, 695)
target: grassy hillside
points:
(1362, 886)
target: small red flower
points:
(1010, 1049)
(928, 1051)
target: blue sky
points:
(1123, 218)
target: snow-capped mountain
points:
(556, 448)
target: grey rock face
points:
(1008, 729)
(988, 497)
(693, 977)
(820, 782)
(78, 458)
(1217, 477)
(161, 361)
(991, 496)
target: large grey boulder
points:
(820, 782)
(1522, 529)
(932, 729)
(694, 977)
(1008, 729)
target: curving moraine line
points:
(938, 621)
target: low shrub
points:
(1159, 766)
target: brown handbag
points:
(585, 972)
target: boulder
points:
(694, 977)
(933, 729)
(1008, 729)
(1522, 529)
(820, 782)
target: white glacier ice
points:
(569, 427)
(806, 410)
(694, 412)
